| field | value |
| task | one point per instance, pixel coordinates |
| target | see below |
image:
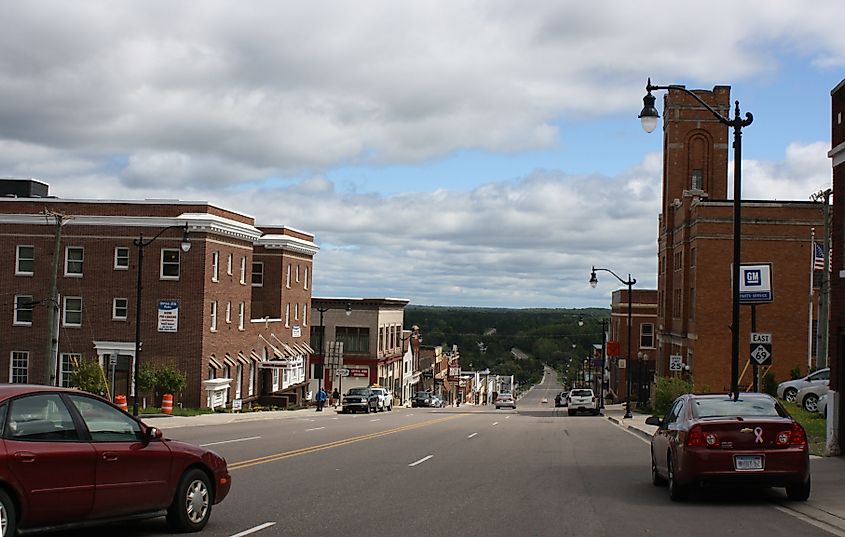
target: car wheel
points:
(367, 409)
(799, 493)
(191, 505)
(8, 519)
(811, 402)
(677, 492)
(570, 412)
(789, 394)
(656, 479)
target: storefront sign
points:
(296, 331)
(359, 372)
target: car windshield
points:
(582, 393)
(357, 391)
(751, 407)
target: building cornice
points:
(287, 243)
(837, 154)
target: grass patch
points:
(814, 425)
(177, 411)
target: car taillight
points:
(695, 437)
(793, 437)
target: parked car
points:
(787, 390)
(359, 399)
(822, 405)
(562, 399)
(714, 440)
(72, 459)
(505, 400)
(808, 397)
(437, 402)
(583, 399)
(422, 399)
(385, 398)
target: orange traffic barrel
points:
(167, 403)
(120, 400)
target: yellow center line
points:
(337, 443)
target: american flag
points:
(818, 256)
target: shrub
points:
(88, 376)
(170, 380)
(795, 373)
(770, 385)
(666, 390)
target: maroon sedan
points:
(716, 440)
(69, 458)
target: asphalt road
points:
(457, 471)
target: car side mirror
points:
(654, 420)
(154, 433)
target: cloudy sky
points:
(448, 152)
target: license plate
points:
(748, 462)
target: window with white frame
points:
(305, 314)
(229, 265)
(275, 379)
(243, 270)
(24, 261)
(121, 258)
(120, 309)
(74, 256)
(251, 388)
(23, 310)
(287, 315)
(239, 380)
(241, 313)
(228, 312)
(647, 335)
(257, 274)
(214, 316)
(66, 368)
(169, 263)
(287, 278)
(19, 367)
(296, 312)
(305, 279)
(72, 311)
(297, 273)
(215, 266)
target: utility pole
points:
(50, 360)
(824, 292)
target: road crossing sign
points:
(761, 348)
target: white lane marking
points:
(507, 417)
(314, 429)
(335, 418)
(230, 441)
(421, 460)
(255, 529)
(473, 434)
(377, 419)
(407, 415)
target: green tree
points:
(170, 380)
(666, 390)
(88, 376)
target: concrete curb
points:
(645, 435)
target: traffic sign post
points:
(676, 362)
(761, 348)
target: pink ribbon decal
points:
(758, 433)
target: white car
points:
(385, 399)
(808, 398)
(787, 390)
(505, 400)
(822, 405)
(583, 399)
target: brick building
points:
(836, 416)
(229, 313)
(694, 254)
(643, 343)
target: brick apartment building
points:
(231, 313)
(643, 343)
(836, 416)
(371, 332)
(694, 254)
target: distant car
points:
(423, 400)
(787, 390)
(70, 458)
(437, 402)
(583, 399)
(505, 400)
(359, 399)
(544, 400)
(562, 399)
(808, 397)
(716, 440)
(385, 398)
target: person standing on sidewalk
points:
(321, 399)
(336, 397)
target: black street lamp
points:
(322, 310)
(648, 117)
(594, 281)
(141, 244)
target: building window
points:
(19, 367)
(354, 338)
(692, 257)
(393, 337)
(23, 310)
(239, 380)
(228, 312)
(251, 388)
(676, 304)
(257, 274)
(72, 311)
(214, 316)
(120, 309)
(696, 179)
(121, 258)
(25, 261)
(215, 266)
(243, 270)
(74, 256)
(647, 336)
(69, 361)
(305, 279)
(305, 314)
(297, 274)
(381, 338)
(287, 315)
(287, 278)
(275, 386)
(296, 312)
(241, 313)
(229, 265)
(169, 264)
(317, 338)
(691, 302)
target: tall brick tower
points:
(695, 153)
(836, 416)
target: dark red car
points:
(69, 458)
(716, 440)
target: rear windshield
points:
(582, 393)
(721, 408)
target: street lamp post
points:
(648, 116)
(322, 310)
(141, 244)
(594, 281)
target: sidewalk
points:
(826, 507)
(222, 418)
